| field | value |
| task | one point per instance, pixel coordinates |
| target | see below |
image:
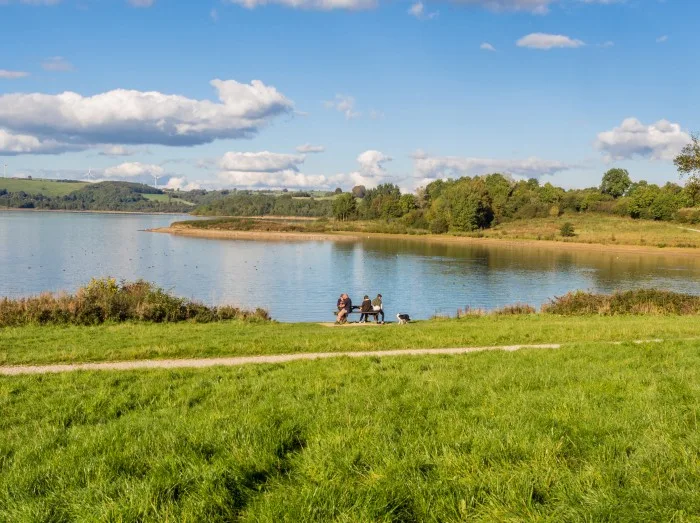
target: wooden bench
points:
(356, 310)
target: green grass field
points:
(165, 199)
(588, 432)
(52, 344)
(600, 228)
(39, 186)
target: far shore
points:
(77, 211)
(431, 238)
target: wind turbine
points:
(90, 177)
(155, 180)
(5, 170)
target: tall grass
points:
(581, 303)
(106, 300)
(643, 301)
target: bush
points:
(105, 300)
(416, 219)
(567, 230)
(438, 225)
(645, 301)
(689, 215)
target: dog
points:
(403, 318)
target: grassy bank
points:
(600, 229)
(585, 433)
(52, 344)
(589, 228)
(40, 186)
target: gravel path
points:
(245, 360)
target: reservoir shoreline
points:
(426, 238)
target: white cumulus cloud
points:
(487, 47)
(180, 183)
(372, 162)
(434, 167)
(544, 41)
(12, 144)
(274, 170)
(128, 117)
(133, 170)
(264, 161)
(662, 140)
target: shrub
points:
(689, 215)
(438, 225)
(645, 301)
(567, 230)
(416, 219)
(105, 300)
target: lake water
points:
(300, 281)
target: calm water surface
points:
(300, 281)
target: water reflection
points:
(301, 280)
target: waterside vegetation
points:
(576, 317)
(108, 301)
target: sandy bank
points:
(430, 238)
(255, 235)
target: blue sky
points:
(400, 92)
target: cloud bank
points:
(433, 167)
(128, 117)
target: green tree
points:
(688, 161)
(641, 200)
(468, 204)
(688, 164)
(359, 191)
(616, 182)
(500, 188)
(344, 207)
(407, 203)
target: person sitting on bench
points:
(365, 308)
(378, 307)
(345, 305)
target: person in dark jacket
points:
(365, 307)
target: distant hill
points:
(41, 186)
(102, 196)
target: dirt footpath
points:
(246, 360)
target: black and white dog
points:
(403, 318)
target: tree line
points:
(471, 203)
(103, 196)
